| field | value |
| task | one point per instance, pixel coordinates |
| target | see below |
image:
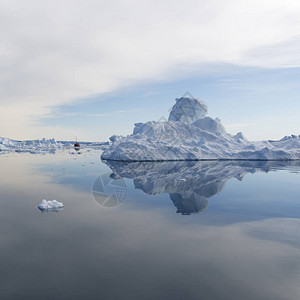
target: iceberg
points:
(51, 205)
(30, 146)
(189, 134)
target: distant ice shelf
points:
(43, 146)
(191, 135)
(31, 146)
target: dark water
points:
(188, 230)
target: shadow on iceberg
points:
(190, 183)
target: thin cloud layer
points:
(53, 53)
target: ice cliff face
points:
(190, 135)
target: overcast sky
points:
(93, 68)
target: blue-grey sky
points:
(94, 68)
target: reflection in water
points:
(58, 209)
(190, 183)
(246, 247)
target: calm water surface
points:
(185, 230)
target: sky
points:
(94, 68)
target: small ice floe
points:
(50, 205)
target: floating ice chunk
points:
(50, 205)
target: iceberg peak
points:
(188, 110)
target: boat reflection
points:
(190, 183)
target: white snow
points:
(188, 110)
(31, 146)
(189, 135)
(50, 205)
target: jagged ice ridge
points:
(191, 135)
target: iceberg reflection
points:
(190, 183)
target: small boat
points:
(76, 145)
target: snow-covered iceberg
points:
(31, 146)
(51, 205)
(191, 135)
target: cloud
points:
(55, 52)
(279, 54)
